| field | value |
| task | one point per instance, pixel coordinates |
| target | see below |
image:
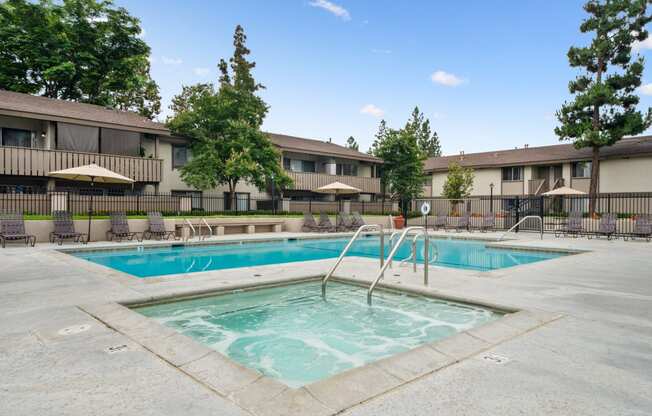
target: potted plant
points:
(399, 222)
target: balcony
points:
(22, 161)
(307, 181)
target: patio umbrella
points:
(564, 190)
(94, 174)
(337, 188)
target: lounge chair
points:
(325, 222)
(310, 225)
(607, 226)
(358, 221)
(642, 228)
(488, 222)
(441, 221)
(12, 228)
(64, 228)
(344, 222)
(462, 224)
(120, 228)
(573, 227)
(157, 227)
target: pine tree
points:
(604, 107)
(352, 144)
(378, 138)
(427, 140)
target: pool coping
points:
(262, 395)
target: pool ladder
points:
(421, 231)
(367, 227)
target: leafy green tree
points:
(427, 140)
(604, 107)
(81, 50)
(352, 144)
(459, 182)
(402, 167)
(224, 124)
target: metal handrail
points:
(413, 257)
(348, 246)
(210, 230)
(520, 222)
(392, 253)
(191, 227)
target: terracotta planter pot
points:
(399, 222)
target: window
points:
(242, 200)
(179, 156)
(78, 138)
(513, 173)
(195, 198)
(582, 170)
(17, 138)
(346, 169)
(296, 165)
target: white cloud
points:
(201, 72)
(333, 8)
(382, 51)
(171, 61)
(645, 89)
(446, 78)
(372, 110)
(646, 44)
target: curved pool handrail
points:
(362, 228)
(500, 237)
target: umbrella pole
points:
(90, 208)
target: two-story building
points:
(39, 135)
(624, 167)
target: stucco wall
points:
(626, 175)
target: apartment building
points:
(39, 135)
(624, 167)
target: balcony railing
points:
(307, 181)
(22, 161)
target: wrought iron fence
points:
(554, 210)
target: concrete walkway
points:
(597, 360)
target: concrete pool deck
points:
(596, 359)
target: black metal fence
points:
(554, 210)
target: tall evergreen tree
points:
(378, 138)
(352, 144)
(224, 124)
(81, 50)
(603, 110)
(427, 140)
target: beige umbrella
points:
(338, 188)
(94, 174)
(564, 190)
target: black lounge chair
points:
(573, 227)
(488, 222)
(462, 224)
(441, 221)
(607, 226)
(310, 225)
(120, 228)
(157, 227)
(358, 221)
(64, 228)
(344, 222)
(642, 228)
(12, 228)
(325, 222)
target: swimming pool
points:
(146, 262)
(291, 334)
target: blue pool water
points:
(290, 333)
(148, 262)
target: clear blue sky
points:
(488, 74)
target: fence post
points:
(541, 208)
(609, 203)
(310, 205)
(518, 212)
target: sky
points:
(488, 74)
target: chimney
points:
(526, 146)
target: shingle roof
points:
(43, 108)
(544, 154)
(313, 146)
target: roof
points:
(319, 147)
(43, 108)
(634, 146)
